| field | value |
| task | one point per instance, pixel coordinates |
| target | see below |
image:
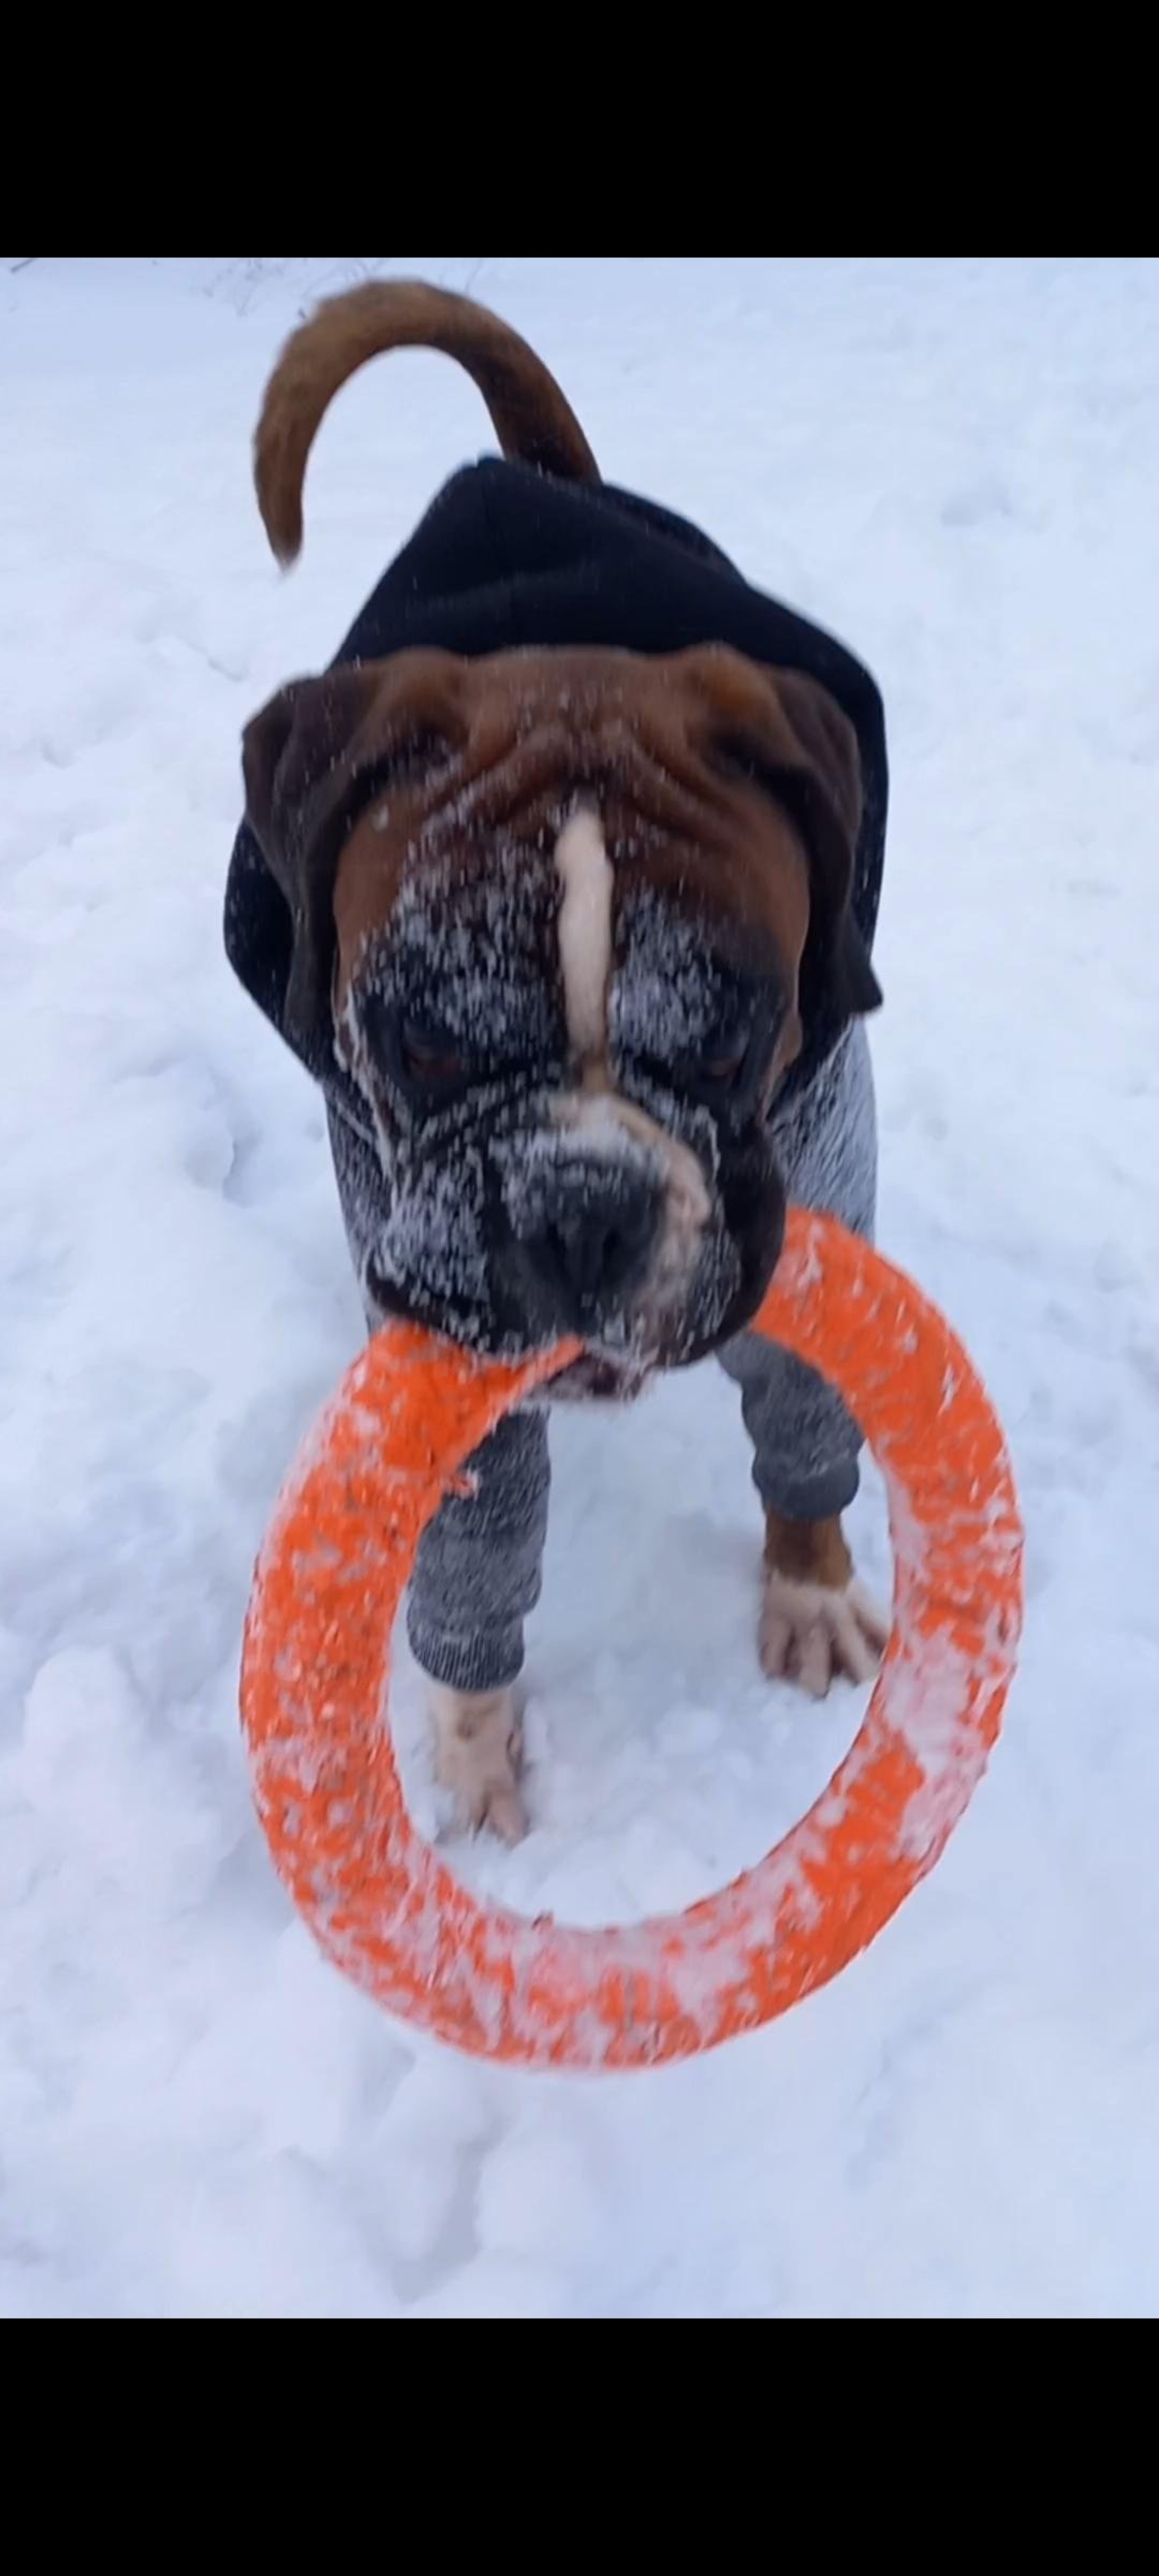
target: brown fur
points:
(808, 1551)
(532, 420)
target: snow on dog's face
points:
(556, 911)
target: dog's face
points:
(554, 911)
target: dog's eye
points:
(724, 1071)
(429, 1056)
(728, 1058)
(416, 1054)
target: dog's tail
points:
(532, 420)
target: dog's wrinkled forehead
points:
(570, 790)
(550, 959)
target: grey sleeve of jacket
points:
(477, 1570)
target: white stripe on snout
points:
(585, 934)
(591, 1113)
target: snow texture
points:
(953, 466)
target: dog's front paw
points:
(478, 1747)
(812, 1633)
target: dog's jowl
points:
(562, 881)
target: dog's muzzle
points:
(584, 1231)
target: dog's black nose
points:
(586, 1240)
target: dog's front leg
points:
(477, 1574)
(817, 1621)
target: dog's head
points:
(559, 915)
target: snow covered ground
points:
(955, 466)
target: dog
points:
(562, 882)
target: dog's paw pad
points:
(812, 1634)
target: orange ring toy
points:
(315, 1662)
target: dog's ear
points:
(312, 760)
(303, 780)
(825, 784)
(787, 733)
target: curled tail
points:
(532, 420)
